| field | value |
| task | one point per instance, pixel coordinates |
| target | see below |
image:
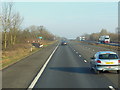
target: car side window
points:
(100, 57)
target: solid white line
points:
(41, 71)
(111, 87)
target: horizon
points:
(70, 19)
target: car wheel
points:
(97, 71)
(118, 71)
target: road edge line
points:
(41, 70)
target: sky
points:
(70, 19)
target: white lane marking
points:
(93, 50)
(111, 87)
(76, 52)
(79, 55)
(41, 71)
(85, 61)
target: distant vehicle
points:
(104, 39)
(82, 38)
(63, 43)
(105, 61)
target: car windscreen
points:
(106, 38)
(108, 56)
(63, 41)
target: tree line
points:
(11, 30)
(114, 37)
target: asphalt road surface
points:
(69, 68)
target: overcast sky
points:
(70, 19)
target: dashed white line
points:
(111, 87)
(93, 50)
(79, 55)
(41, 71)
(85, 61)
(76, 52)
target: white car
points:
(105, 61)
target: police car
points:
(105, 61)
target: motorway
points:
(68, 68)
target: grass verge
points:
(12, 56)
(103, 45)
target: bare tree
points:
(17, 20)
(6, 18)
(11, 22)
(103, 32)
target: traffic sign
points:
(40, 37)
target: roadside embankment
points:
(102, 45)
(20, 51)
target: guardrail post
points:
(31, 49)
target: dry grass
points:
(104, 45)
(11, 56)
(18, 52)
